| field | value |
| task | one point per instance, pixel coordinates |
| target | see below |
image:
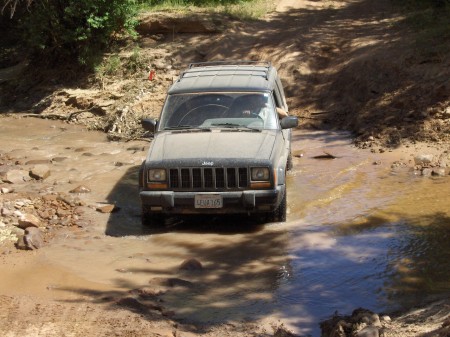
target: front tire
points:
(152, 219)
(280, 213)
(289, 163)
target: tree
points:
(55, 30)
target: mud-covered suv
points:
(221, 145)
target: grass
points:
(241, 9)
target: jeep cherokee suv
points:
(221, 145)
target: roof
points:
(225, 76)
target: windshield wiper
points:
(235, 126)
(187, 127)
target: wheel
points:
(151, 219)
(279, 214)
(289, 163)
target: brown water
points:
(357, 235)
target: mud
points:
(357, 235)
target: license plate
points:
(208, 201)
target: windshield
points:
(219, 110)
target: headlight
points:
(157, 175)
(260, 174)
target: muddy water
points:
(357, 235)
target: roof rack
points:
(264, 64)
(231, 63)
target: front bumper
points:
(248, 201)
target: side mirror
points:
(149, 124)
(289, 122)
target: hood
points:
(217, 144)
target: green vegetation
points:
(242, 9)
(58, 31)
(431, 20)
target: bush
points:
(62, 30)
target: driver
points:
(254, 105)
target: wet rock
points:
(29, 220)
(40, 172)
(80, 189)
(191, 265)
(423, 159)
(362, 323)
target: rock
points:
(443, 160)
(109, 208)
(5, 190)
(283, 332)
(168, 313)
(33, 238)
(80, 189)
(427, 172)
(16, 176)
(191, 264)
(132, 303)
(6, 211)
(385, 318)
(21, 244)
(170, 282)
(366, 316)
(37, 162)
(178, 282)
(368, 331)
(438, 171)
(423, 159)
(29, 220)
(40, 172)
(58, 159)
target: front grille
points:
(208, 178)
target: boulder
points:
(40, 172)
